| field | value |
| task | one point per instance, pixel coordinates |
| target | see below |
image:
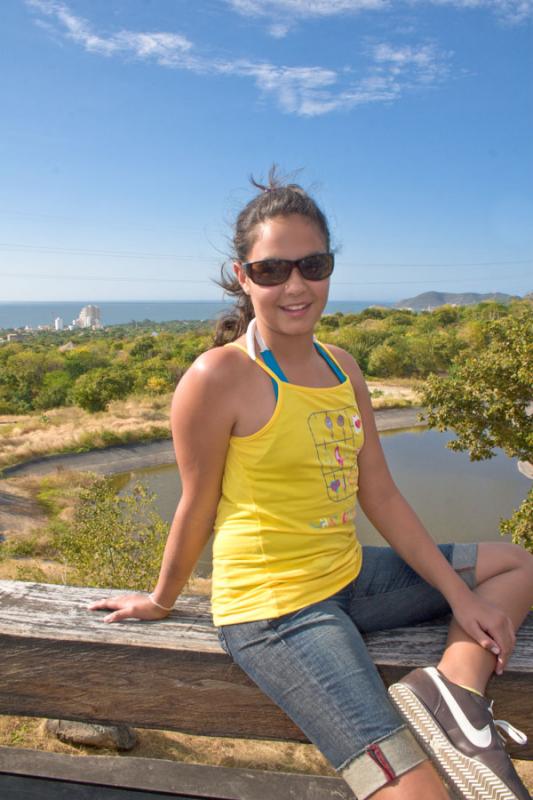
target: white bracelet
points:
(165, 608)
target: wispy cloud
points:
(286, 13)
(513, 11)
(509, 11)
(279, 29)
(305, 8)
(304, 90)
(166, 48)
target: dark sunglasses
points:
(273, 271)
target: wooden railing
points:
(59, 660)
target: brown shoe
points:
(457, 729)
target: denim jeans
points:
(314, 664)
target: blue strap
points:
(329, 361)
(270, 360)
(272, 364)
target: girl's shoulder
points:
(219, 369)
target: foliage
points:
(520, 525)
(95, 390)
(387, 359)
(114, 541)
(84, 359)
(53, 391)
(486, 399)
(38, 373)
(486, 396)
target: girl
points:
(275, 437)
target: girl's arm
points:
(393, 517)
(202, 416)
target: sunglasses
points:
(273, 271)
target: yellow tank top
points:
(285, 526)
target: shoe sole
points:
(472, 779)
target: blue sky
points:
(128, 130)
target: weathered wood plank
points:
(59, 660)
(161, 775)
(51, 611)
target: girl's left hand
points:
(489, 626)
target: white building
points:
(89, 317)
(58, 324)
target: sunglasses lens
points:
(269, 272)
(317, 267)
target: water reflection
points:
(457, 499)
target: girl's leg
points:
(504, 576)
(313, 663)
(454, 723)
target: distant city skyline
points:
(129, 130)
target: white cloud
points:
(165, 48)
(512, 11)
(296, 89)
(314, 91)
(279, 30)
(305, 8)
(303, 90)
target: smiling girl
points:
(275, 440)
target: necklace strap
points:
(250, 338)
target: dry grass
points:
(72, 429)
(27, 732)
(397, 393)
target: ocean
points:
(20, 315)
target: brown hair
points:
(275, 199)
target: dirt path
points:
(18, 513)
(113, 460)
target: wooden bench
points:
(59, 660)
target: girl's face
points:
(293, 307)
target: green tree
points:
(143, 348)
(22, 377)
(115, 540)
(83, 360)
(486, 400)
(390, 358)
(54, 390)
(95, 390)
(358, 340)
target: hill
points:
(429, 300)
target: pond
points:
(457, 499)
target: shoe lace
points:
(513, 733)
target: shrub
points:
(486, 400)
(115, 540)
(54, 390)
(95, 390)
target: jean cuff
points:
(382, 762)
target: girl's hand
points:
(124, 606)
(489, 626)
